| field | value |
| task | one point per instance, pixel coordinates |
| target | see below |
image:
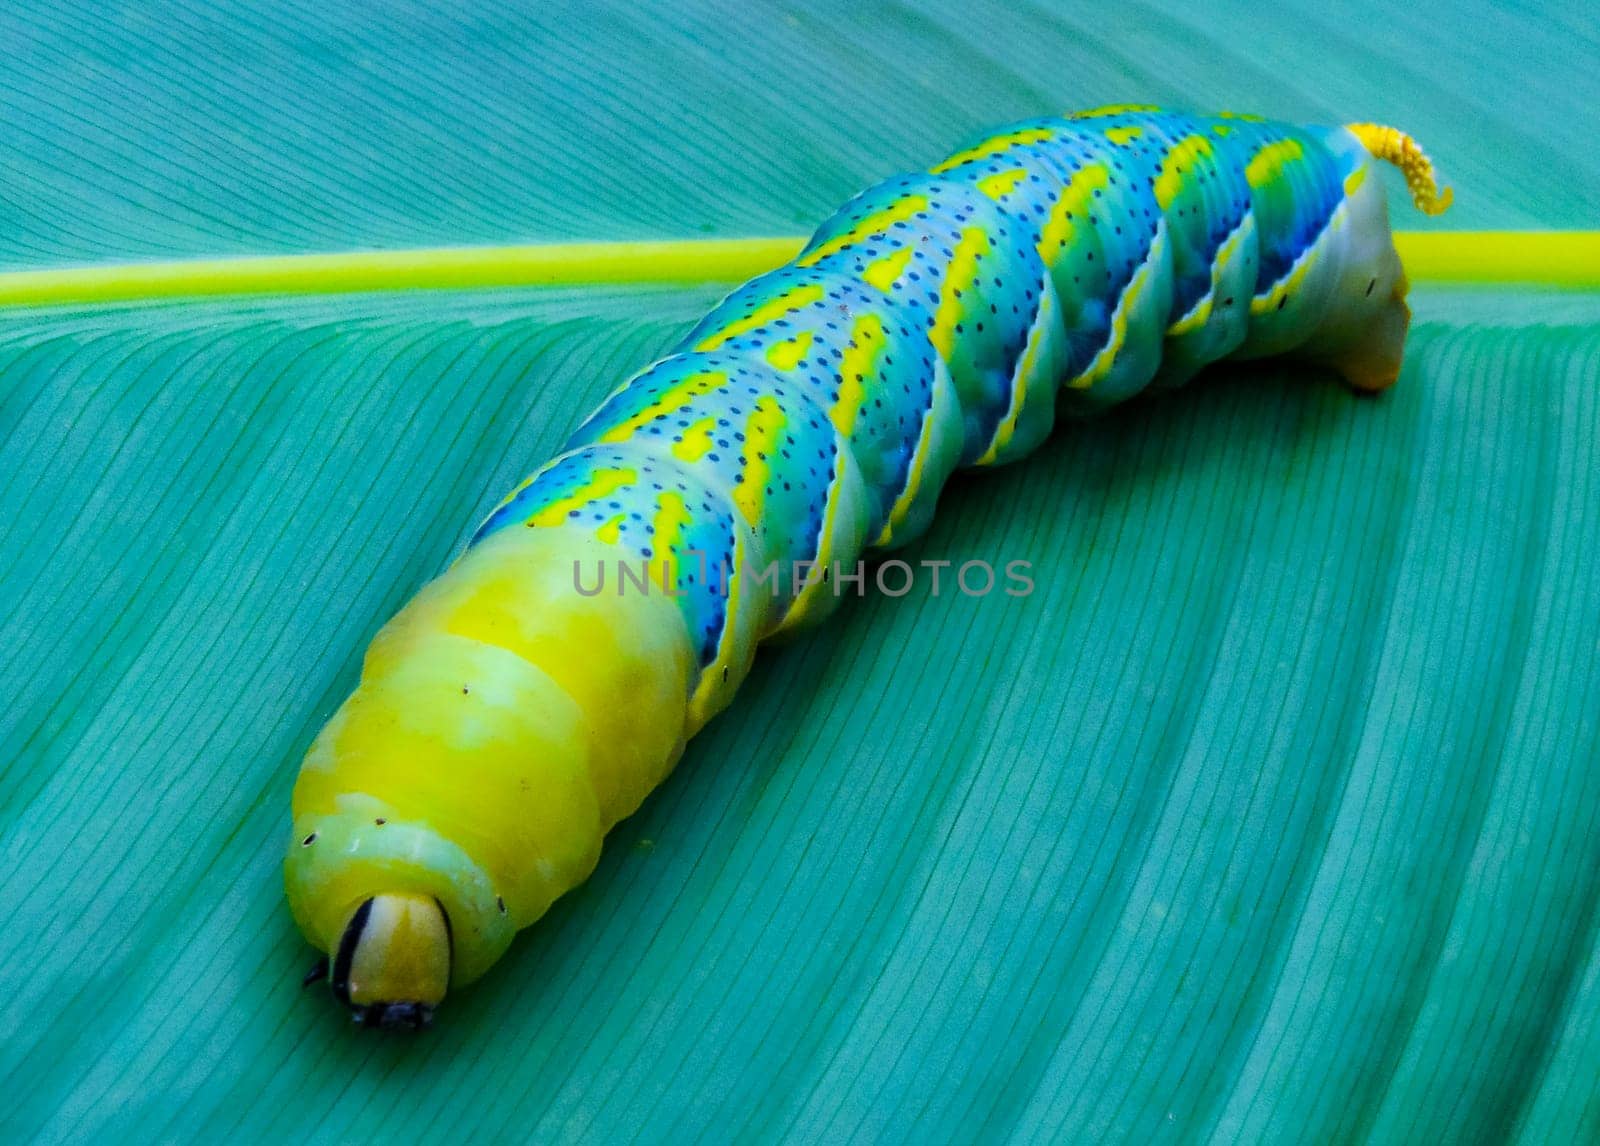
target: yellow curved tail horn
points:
(1396, 147)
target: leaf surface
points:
(1270, 813)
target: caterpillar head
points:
(392, 967)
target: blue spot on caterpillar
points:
(508, 716)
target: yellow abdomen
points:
(503, 723)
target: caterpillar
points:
(512, 712)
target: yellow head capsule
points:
(393, 963)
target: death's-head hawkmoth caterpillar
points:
(506, 718)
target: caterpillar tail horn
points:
(392, 967)
(1392, 145)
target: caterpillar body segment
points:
(536, 692)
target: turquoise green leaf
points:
(1272, 813)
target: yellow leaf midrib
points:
(1548, 258)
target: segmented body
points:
(939, 320)
(930, 325)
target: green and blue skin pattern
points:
(511, 714)
(939, 321)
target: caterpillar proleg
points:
(507, 717)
